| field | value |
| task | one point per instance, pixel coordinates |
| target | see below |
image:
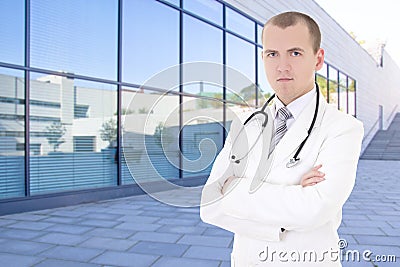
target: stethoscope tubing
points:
(294, 160)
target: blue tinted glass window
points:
(239, 24)
(208, 9)
(241, 58)
(12, 131)
(78, 36)
(72, 152)
(150, 40)
(12, 25)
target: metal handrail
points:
(370, 130)
(391, 113)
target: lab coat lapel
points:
(298, 131)
(265, 163)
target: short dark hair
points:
(291, 18)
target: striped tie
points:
(283, 115)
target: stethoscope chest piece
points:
(292, 162)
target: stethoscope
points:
(292, 161)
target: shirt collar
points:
(297, 106)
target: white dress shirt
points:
(295, 107)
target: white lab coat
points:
(310, 215)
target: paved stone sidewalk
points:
(138, 231)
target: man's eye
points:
(296, 53)
(271, 54)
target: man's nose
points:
(283, 64)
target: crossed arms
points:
(293, 207)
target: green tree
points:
(163, 135)
(108, 131)
(55, 133)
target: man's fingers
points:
(312, 174)
(317, 167)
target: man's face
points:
(290, 61)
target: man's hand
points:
(312, 177)
(227, 183)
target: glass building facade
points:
(72, 72)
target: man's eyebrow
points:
(270, 51)
(295, 49)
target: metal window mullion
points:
(27, 96)
(180, 88)
(256, 62)
(224, 73)
(338, 88)
(347, 94)
(119, 96)
(327, 82)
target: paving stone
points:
(139, 218)
(225, 264)
(212, 241)
(366, 223)
(69, 229)
(349, 239)
(101, 216)
(108, 243)
(137, 226)
(391, 231)
(72, 253)
(125, 259)
(107, 232)
(181, 229)
(378, 240)
(178, 262)
(13, 260)
(361, 231)
(64, 263)
(100, 223)
(156, 236)
(162, 214)
(68, 213)
(179, 221)
(125, 212)
(22, 247)
(20, 234)
(61, 239)
(59, 219)
(214, 231)
(30, 225)
(28, 216)
(4, 222)
(158, 248)
(208, 253)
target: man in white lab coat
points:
(292, 217)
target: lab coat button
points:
(233, 157)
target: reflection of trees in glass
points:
(352, 85)
(126, 111)
(143, 110)
(108, 131)
(55, 133)
(322, 86)
(163, 135)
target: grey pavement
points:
(139, 231)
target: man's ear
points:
(320, 59)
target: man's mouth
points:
(284, 79)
